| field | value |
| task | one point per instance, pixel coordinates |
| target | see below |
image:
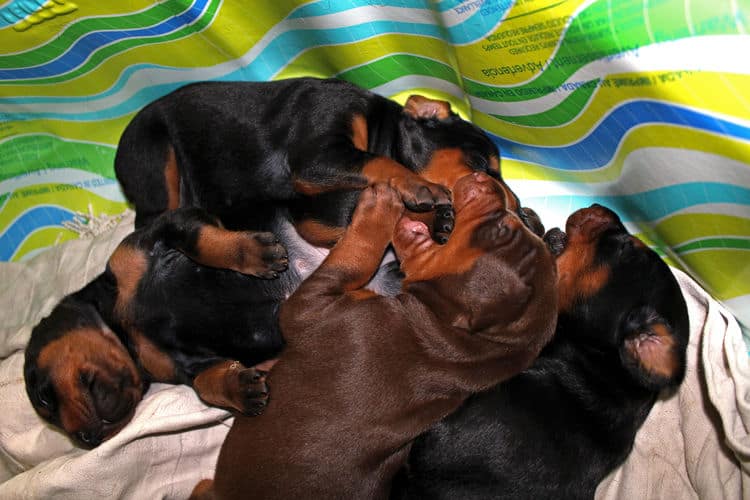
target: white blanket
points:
(693, 445)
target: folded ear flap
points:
(532, 220)
(650, 351)
(418, 106)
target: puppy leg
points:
(357, 255)
(417, 193)
(230, 384)
(201, 237)
(351, 168)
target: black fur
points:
(557, 429)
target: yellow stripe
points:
(715, 92)
(105, 131)
(12, 41)
(330, 60)
(681, 228)
(665, 136)
(231, 35)
(473, 57)
(726, 272)
(76, 200)
(41, 238)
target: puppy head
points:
(618, 297)
(81, 378)
(427, 125)
(494, 277)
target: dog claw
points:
(253, 391)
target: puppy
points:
(363, 374)
(231, 182)
(558, 428)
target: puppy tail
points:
(146, 166)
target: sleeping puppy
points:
(557, 429)
(279, 165)
(364, 374)
(175, 305)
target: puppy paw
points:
(261, 254)
(380, 205)
(252, 391)
(443, 223)
(420, 195)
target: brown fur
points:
(172, 180)
(128, 264)
(157, 364)
(74, 359)
(362, 375)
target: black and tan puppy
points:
(157, 314)
(364, 374)
(225, 178)
(557, 429)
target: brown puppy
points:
(362, 374)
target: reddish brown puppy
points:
(363, 374)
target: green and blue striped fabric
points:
(641, 105)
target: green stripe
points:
(59, 45)
(715, 243)
(564, 112)
(395, 66)
(123, 45)
(32, 153)
(593, 35)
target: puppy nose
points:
(481, 177)
(88, 438)
(592, 220)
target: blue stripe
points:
(275, 57)
(476, 26)
(326, 7)
(36, 218)
(648, 205)
(479, 24)
(283, 48)
(82, 49)
(598, 148)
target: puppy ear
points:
(532, 220)
(418, 106)
(650, 351)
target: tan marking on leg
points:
(128, 264)
(359, 132)
(383, 169)
(220, 248)
(319, 234)
(211, 383)
(228, 383)
(308, 188)
(172, 180)
(154, 361)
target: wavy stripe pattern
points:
(640, 106)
